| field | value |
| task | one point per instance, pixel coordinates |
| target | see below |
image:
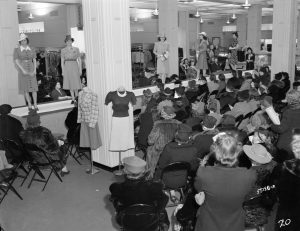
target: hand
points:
(200, 198)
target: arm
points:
(155, 49)
(34, 67)
(283, 127)
(79, 62)
(62, 62)
(154, 134)
(17, 62)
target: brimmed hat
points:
(68, 37)
(5, 109)
(293, 97)
(168, 112)
(22, 37)
(183, 133)
(203, 33)
(33, 119)
(147, 93)
(228, 120)
(167, 91)
(209, 122)
(134, 167)
(161, 35)
(257, 153)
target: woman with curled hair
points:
(223, 188)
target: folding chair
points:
(7, 178)
(139, 217)
(36, 165)
(175, 177)
(19, 155)
(73, 146)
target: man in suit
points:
(137, 190)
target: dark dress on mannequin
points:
(122, 134)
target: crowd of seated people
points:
(241, 141)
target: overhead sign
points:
(32, 27)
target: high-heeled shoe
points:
(62, 173)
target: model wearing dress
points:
(161, 50)
(202, 57)
(71, 67)
(25, 60)
(250, 59)
(233, 48)
(122, 134)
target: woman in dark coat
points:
(224, 187)
(290, 120)
(250, 59)
(288, 190)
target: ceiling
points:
(208, 9)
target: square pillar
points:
(184, 32)
(9, 34)
(241, 26)
(254, 27)
(284, 37)
(168, 25)
(108, 63)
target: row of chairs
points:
(25, 161)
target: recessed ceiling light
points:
(30, 16)
(246, 5)
(227, 22)
(197, 15)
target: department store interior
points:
(117, 42)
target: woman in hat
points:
(202, 57)
(233, 49)
(25, 60)
(71, 67)
(257, 211)
(163, 132)
(290, 119)
(161, 50)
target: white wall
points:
(55, 27)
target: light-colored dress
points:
(71, 70)
(202, 58)
(162, 64)
(26, 83)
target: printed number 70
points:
(284, 222)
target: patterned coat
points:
(88, 109)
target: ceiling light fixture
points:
(228, 21)
(201, 20)
(30, 16)
(197, 15)
(155, 12)
(246, 5)
(233, 16)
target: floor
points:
(80, 203)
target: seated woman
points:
(288, 189)
(43, 138)
(258, 210)
(58, 93)
(223, 188)
(137, 190)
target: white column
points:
(184, 33)
(168, 25)
(72, 16)
(108, 61)
(9, 33)
(241, 25)
(254, 27)
(284, 37)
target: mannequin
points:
(122, 134)
(88, 112)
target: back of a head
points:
(33, 119)
(278, 76)
(226, 149)
(221, 77)
(213, 78)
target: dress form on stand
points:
(93, 170)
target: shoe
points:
(36, 108)
(72, 102)
(62, 173)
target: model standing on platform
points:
(161, 50)
(71, 67)
(202, 57)
(25, 60)
(233, 48)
